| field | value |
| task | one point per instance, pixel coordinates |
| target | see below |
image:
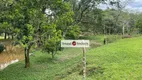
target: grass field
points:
(1, 37)
(43, 67)
(121, 60)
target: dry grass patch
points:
(11, 52)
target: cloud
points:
(102, 6)
(133, 5)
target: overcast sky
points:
(133, 5)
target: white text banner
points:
(75, 43)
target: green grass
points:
(43, 67)
(121, 60)
(1, 37)
(100, 38)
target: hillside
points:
(116, 61)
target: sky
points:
(133, 5)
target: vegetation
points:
(1, 48)
(113, 61)
(36, 28)
(43, 67)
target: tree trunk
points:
(39, 43)
(52, 54)
(8, 36)
(12, 37)
(5, 35)
(27, 58)
(123, 30)
(105, 41)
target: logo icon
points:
(74, 43)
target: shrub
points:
(126, 36)
(95, 44)
(73, 33)
(111, 38)
(2, 47)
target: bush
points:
(126, 36)
(95, 44)
(111, 38)
(2, 47)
